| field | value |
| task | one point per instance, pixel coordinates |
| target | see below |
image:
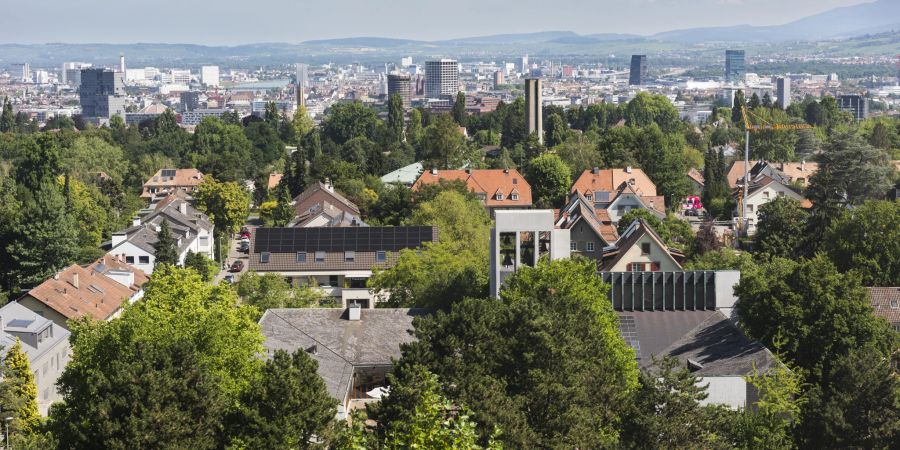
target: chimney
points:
(628, 169)
(136, 221)
(182, 208)
(469, 171)
(506, 171)
(354, 312)
(434, 171)
(803, 165)
(75, 280)
(596, 171)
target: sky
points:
(233, 22)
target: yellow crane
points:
(754, 128)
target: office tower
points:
(783, 86)
(525, 67)
(71, 73)
(441, 78)
(534, 105)
(735, 66)
(406, 61)
(856, 105)
(638, 70)
(302, 83)
(401, 84)
(209, 76)
(22, 73)
(121, 63)
(190, 100)
(102, 94)
(41, 77)
(498, 79)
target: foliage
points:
(721, 259)
(19, 379)
(706, 240)
(165, 249)
(288, 408)
(349, 120)
(866, 240)
(674, 232)
(444, 147)
(223, 150)
(780, 229)
(204, 266)
(226, 203)
(270, 290)
(459, 109)
(550, 179)
(771, 423)
(646, 109)
(545, 363)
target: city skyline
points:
(296, 22)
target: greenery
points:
(866, 240)
(268, 291)
(780, 229)
(550, 180)
(165, 249)
(22, 390)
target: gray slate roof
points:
(706, 337)
(340, 344)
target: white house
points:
(762, 191)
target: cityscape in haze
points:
(365, 224)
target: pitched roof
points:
(638, 228)
(77, 291)
(17, 319)
(108, 263)
(338, 344)
(704, 337)
(736, 172)
(886, 303)
(612, 180)
(695, 175)
(173, 178)
(485, 181)
(304, 202)
(579, 209)
(405, 175)
(274, 179)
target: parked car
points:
(229, 279)
(244, 246)
(245, 233)
(237, 266)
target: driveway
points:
(234, 254)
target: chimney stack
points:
(354, 312)
(628, 169)
(803, 165)
(182, 208)
(136, 221)
(75, 280)
(596, 171)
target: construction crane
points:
(754, 128)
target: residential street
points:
(234, 254)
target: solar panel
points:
(628, 330)
(169, 173)
(369, 239)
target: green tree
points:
(771, 423)
(226, 203)
(301, 122)
(515, 129)
(7, 118)
(222, 150)
(722, 259)
(754, 102)
(414, 127)
(866, 240)
(267, 144)
(88, 155)
(780, 229)
(737, 113)
(346, 121)
(443, 145)
(556, 129)
(395, 117)
(284, 211)
(17, 370)
(813, 312)
(662, 158)
(204, 266)
(270, 290)
(459, 109)
(165, 248)
(288, 408)
(550, 179)
(646, 109)
(545, 363)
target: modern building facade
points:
(856, 105)
(783, 91)
(102, 94)
(498, 79)
(735, 66)
(302, 83)
(441, 78)
(520, 238)
(638, 70)
(190, 100)
(209, 76)
(400, 84)
(534, 107)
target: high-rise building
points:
(22, 73)
(534, 107)
(441, 78)
(498, 79)
(302, 83)
(121, 63)
(209, 76)
(190, 100)
(856, 105)
(400, 84)
(525, 69)
(406, 61)
(735, 66)
(71, 73)
(638, 70)
(783, 88)
(102, 94)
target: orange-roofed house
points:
(497, 188)
(274, 180)
(618, 191)
(166, 181)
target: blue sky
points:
(230, 22)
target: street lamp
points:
(6, 422)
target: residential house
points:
(618, 191)
(406, 175)
(166, 181)
(320, 205)
(338, 261)
(497, 188)
(640, 249)
(354, 347)
(76, 292)
(763, 190)
(45, 343)
(886, 304)
(590, 231)
(191, 228)
(786, 173)
(696, 180)
(274, 180)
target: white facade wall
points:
(729, 391)
(763, 196)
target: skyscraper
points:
(302, 83)
(498, 79)
(400, 84)
(122, 62)
(856, 105)
(735, 67)
(102, 94)
(525, 67)
(441, 78)
(209, 75)
(534, 106)
(638, 70)
(22, 73)
(783, 88)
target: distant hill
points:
(867, 18)
(507, 39)
(376, 42)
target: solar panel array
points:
(169, 173)
(628, 329)
(361, 239)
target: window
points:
(645, 248)
(749, 208)
(129, 259)
(333, 280)
(204, 241)
(320, 257)
(499, 196)
(637, 267)
(349, 256)
(514, 197)
(264, 257)
(589, 246)
(515, 181)
(589, 197)
(766, 195)
(144, 259)
(301, 257)
(380, 256)
(654, 266)
(573, 246)
(781, 193)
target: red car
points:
(236, 266)
(245, 234)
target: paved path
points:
(234, 254)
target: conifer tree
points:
(23, 388)
(166, 246)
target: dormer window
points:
(514, 197)
(499, 196)
(349, 256)
(264, 257)
(589, 197)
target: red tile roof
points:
(886, 303)
(612, 180)
(488, 182)
(77, 291)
